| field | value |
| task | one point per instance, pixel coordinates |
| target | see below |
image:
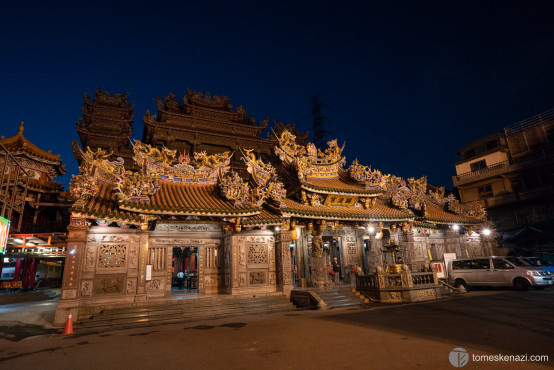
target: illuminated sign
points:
(4, 230)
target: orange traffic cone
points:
(68, 325)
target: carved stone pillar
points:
(74, 258)
(406, 277)
(143, 261)
(282, 251)
(408, 247)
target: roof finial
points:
(20, 131)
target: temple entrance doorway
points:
(184, 270)
(332, 246)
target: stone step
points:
(341, 297)
(177, 312)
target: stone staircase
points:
(341, 297)
(180, 311)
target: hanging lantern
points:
(294, 234)
(393, 228)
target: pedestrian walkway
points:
(29, 308)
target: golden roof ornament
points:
(264, 177)
(308, 160)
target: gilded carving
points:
(309, 161)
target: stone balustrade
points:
(405, 286)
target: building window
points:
(476, 166)
(485, 191)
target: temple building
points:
(106, 123)
(37, 209)
(183, 207)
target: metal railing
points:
(484, 170)
(529, 122)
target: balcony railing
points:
(482, 171)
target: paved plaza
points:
(407, 336)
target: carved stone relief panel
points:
(131, 286)
(259, 239)
(227, 281)
(90, 257)
(257, 253)
(210, 281)
(242, 257)
(155, 284)
(112, 256)
(271, 278)
(258, 278)
(419, 251)
(242, 280)
(187, 227)
(86, 288)
(113, 238)
(271, 252)
(133, 256)
(107, 284)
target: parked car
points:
(539, 262)
(497, 271)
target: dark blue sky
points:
(407, 82)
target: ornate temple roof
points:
(378, 212)
(342, 184)
(203, 113)
(103, 204)
(199, 184)
(189, 200)
(19, 145)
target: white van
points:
(497, 271)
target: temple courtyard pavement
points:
(410, 336)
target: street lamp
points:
(486, 232)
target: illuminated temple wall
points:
(107, 265)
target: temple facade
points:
(181, 208)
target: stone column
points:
(407, 241)
(282, 251)
(143, 261)
(74, 258)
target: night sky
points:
(407, 83)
